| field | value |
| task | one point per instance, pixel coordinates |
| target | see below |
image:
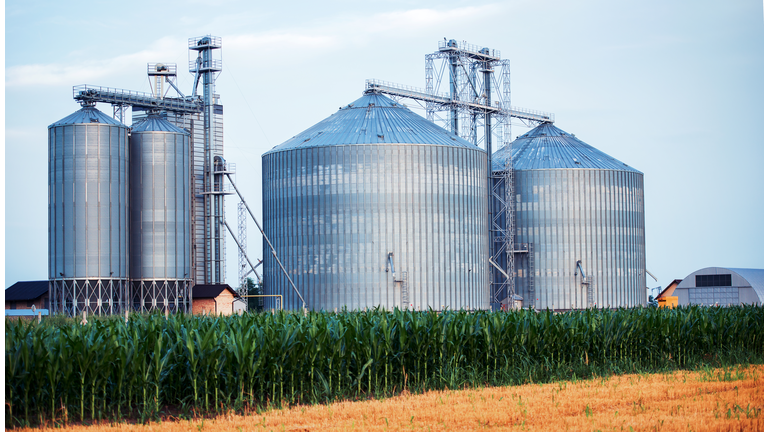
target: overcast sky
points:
(673, 89)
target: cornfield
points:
(107, 368)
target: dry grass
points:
(714, 400)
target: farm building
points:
(25, 294)
(216, 299)
(721, 286)
(666, 297)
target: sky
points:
(673, 89)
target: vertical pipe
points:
(487, 70)
(213, 200)
(454, 95)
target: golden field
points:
(729, 399)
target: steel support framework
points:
(474, 90)
(242, 238)
(477, 107)
(266, 239)
(207, 67)
(93, 296)
(152, 295)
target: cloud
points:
(345, 31)
(280, 41)
(421, 19)
(88, 71)
(340, 32)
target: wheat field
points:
(728, 399)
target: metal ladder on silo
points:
(531, 287)
(404, 289)
(510, 226)
(403, 280)
(590, 292)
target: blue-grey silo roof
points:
(549, 147)
(155, 123)
(373, 119)
(87, 115)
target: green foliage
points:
(112, 369)
(255, 304)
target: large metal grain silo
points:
(375, 206)
(160, 239)
(88, 213)
(579, 223)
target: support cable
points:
(224, 222)
(266, 239)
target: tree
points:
(255, 304)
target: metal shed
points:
(721, 286)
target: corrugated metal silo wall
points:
(160, 206)
(596, 216)
(194, 123)
(334, 213)
(88, 201)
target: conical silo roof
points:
(155, 123)
(373, 119)
(549, 147)
(87, 115)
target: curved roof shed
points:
(721, 286)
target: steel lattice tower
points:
(473, 87)
(206, 66)
(242, 238)
(468, 92)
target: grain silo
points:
(88, 213)
(579, 223)
(160, 240)
(376, 206)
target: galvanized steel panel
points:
(87, 115)
(548, 147)
(160, 240)
(592, 211)
(334, 214)
(373, 119)
(88, 197)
